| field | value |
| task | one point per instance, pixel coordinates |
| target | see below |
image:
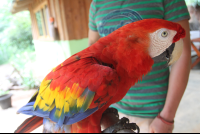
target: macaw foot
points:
(123, 126)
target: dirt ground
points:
(187, 118)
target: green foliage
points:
(23, 62)
(16, 37)
(3, 92)
(15, 32)
(16, 45)
(192, 2)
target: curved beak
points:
(172, 53)
(176, 54)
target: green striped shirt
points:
(147, 98)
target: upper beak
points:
(172, 53)
(176, 54)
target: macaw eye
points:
(164, 34)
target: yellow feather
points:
(58, 113)
(80, 101)
(49, 97)
(59, 105)
(37, 101)
(57, 101)
(46, 95)
(37, 104)
(44, 85)
(46, 108)
(50, 100)
(71, 102)
(52, 107)
(60, 100)
(41, 104)
(67, 94)
(66, 107)
(54, 93)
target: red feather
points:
(30, 124)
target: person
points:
(194, 19)
(197, 12)
(160, 91)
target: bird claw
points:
(123, 124)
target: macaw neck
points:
(130, 62)
(128, 58)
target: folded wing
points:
(73, 91)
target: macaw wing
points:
(72, 92)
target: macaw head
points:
(164, 38)
(138, 43)
(167, 43)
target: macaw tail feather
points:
(30, 124)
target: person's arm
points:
(93, 36)
(177, 84)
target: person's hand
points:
(157, 126)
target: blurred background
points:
(37, 35)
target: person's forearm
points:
(177, 84)
(178, 80)
(93, 36)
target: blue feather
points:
(79, 116)
(52, 115)
(27, 108)
(62, 118)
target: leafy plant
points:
(16, 45)
(3, 92)
(192, 2)
(15, 32)
(24, 64)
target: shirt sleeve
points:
(92, 24)
(175, 10)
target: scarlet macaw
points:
(73, 96)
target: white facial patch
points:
(160, 40)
